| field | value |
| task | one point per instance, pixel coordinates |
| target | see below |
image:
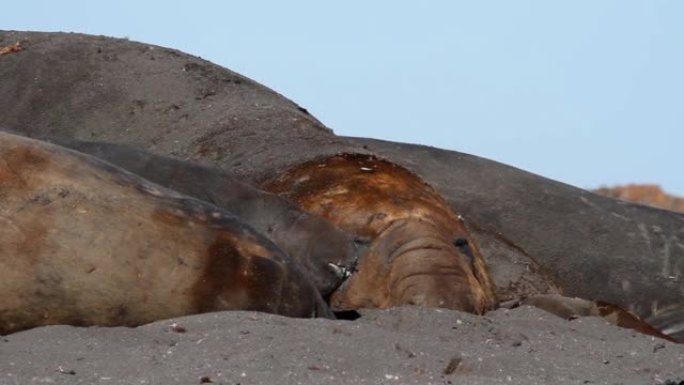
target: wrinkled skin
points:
(86, 243)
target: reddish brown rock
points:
(648, 194)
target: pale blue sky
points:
(585, 92)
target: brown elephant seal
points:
(86, 243)
(419, 252)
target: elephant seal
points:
(321, 249)
(539, 236)
(86, 243)
(417, 251)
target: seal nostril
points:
(417, 300)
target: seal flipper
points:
(670, 321)
(626, 319)
(571, 308)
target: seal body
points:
(86, 243)
(418, 251)
(312, 241)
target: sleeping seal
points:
(86, 243)
(418, 252)
(313, 242)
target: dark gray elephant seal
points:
(321, 249)
(86, 243)
(583, 244)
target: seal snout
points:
(426, 269)
(413, 262)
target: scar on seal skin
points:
(85, 243)
(419, 252)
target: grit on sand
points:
(398, 346)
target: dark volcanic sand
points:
(398, 346)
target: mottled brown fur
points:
(411, 258)
(85, 243)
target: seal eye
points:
(464, 247)
(460, 242)
(361, 245)
(361, 241)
